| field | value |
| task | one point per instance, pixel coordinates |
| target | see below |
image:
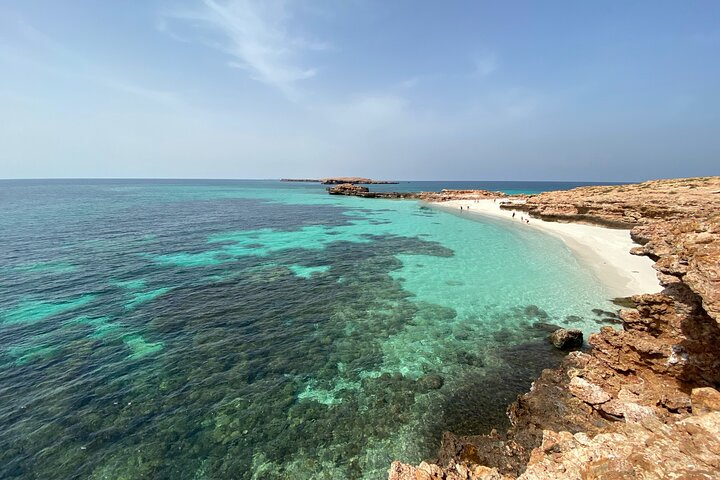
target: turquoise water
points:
(255, 329)
(496, 186)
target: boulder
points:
(347, 189)
(587, 392)
(567, 338)
(705, 400)
(430, 382)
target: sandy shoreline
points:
(606, 251)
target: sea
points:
(258, 329)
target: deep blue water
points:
(259, 329)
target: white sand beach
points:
(606, 251)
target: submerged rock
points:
(545, 327)
(533, 311)
(430, 382)
(566, 338)
(573, 319)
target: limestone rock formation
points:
(427, 471)
(625, 206)
(648, 449)
(366, 181)
(338, 180)
(444, 195)
(347, 189)
(566, 338)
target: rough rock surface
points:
(454, 471)
(347, 189)
(441, 196)
(445, 195)
(358, 191)
(625, 206)
(643, 402)
(649, 449)
(338, 180)
(566, 338)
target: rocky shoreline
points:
(642, 402)
(444, 195)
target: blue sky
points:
(464, 90)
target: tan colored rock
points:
(428, 471)
(629, 205)
(675, 401)
(567, 338)
(587, 392)
(341, 180)
(688, 449)
(630, 411)
(347, 189)
(634, 412)
(705, 400)
(446, 195)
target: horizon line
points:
(280, 178)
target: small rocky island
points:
(340, 181)
(352, 190)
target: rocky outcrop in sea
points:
(441, 196)
(340, 180)
(358, 191)
(642, 402)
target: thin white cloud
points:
(45, 54)
(160, 96)
(256, 35)
(410, 82)
(484, 64)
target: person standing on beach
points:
(513, 214)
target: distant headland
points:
(340, 180)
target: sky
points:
(400, 89)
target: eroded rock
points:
(567, 338)
(705, 400)
(430, 382)
(347, 189)
(587, 392)
(649, 450)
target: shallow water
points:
(256, 329)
